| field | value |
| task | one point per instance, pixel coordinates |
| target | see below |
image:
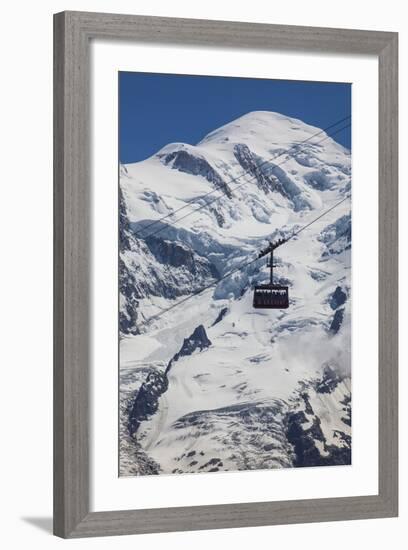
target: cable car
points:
(271, 296)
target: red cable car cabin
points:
(271, 296)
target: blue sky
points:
(156, 109)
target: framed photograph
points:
(225, 274)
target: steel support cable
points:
(238, 268)
(266, 161)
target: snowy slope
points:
(214, 384)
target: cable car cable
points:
(245, 173)
(275, 295)
(217, 188)
(223, 196)
(238, 268)
(205, 205)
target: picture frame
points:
(73, 32)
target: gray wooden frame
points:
(72, 34)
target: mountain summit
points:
(190, 214)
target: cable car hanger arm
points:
(272, 245)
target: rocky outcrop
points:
(198, 340)
(269, 177)
(127, 289)
(304, 442)
(179, 255)
(337, 321)
(157, 267)
(304, 426)
(128, 301)
(147, 399)
(329, 381)
(255, 167)
(184, 161)
(338, 298)
(220, 316)
(337, 236)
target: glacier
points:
(212, 384)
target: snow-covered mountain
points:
(213, 384)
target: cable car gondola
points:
(270, 296)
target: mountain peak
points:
(253, 126)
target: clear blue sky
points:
(156, 109)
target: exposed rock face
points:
(255, 167)
(147, 398)
(134, 460)
(196, 341)
(337, 236)
(220, 315)
(329, 381)
(337, 321)
(312, 445)
(304, 442)
(124, 228)
(127, 288)
(146, 401)
(157, 267)
(179, 255)
(186, 162)
(128, 313)
(338, 298)
(269, 176)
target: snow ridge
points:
(214, 384)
